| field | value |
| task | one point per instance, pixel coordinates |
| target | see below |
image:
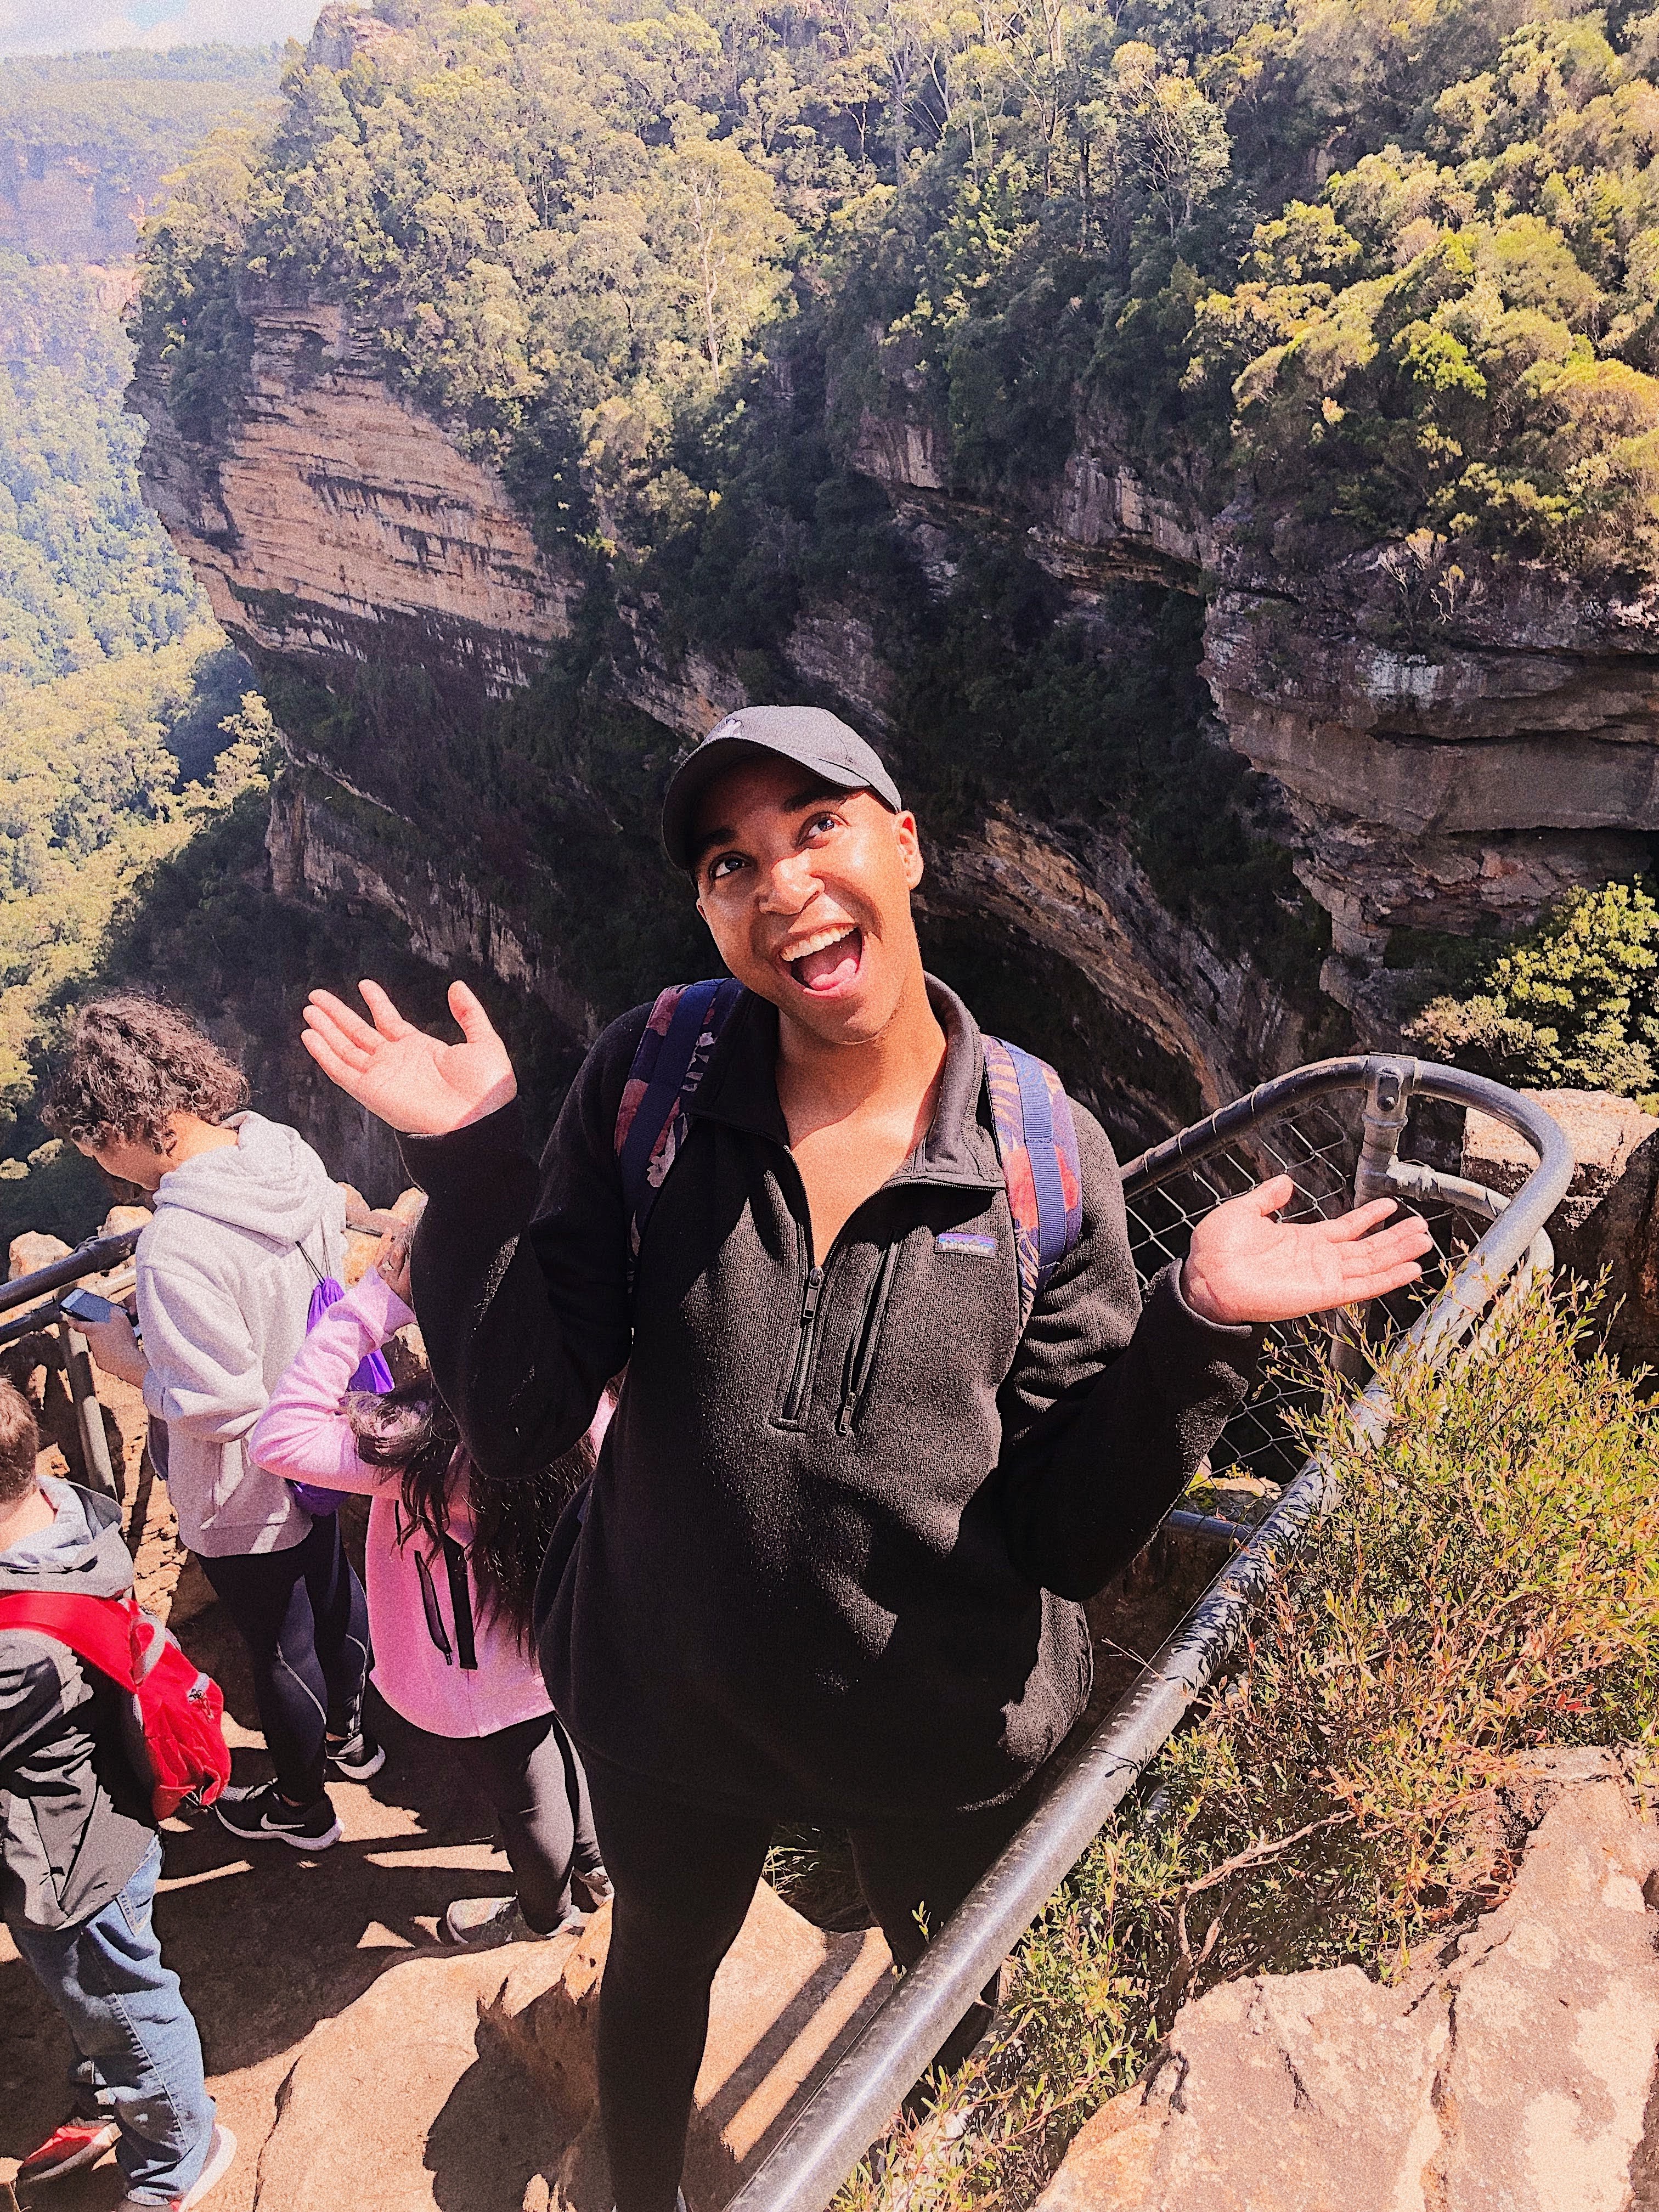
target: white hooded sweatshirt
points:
(223, 1291)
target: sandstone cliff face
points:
(1456, 752)
(316, 852)
(334, 523)
(1453, 749)
(340, 534)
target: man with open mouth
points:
(866, 1464)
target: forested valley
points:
(1328, 274)
(127, 721)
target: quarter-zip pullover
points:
(830, 1558)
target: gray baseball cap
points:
(820, 742)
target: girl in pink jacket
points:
(452, 1563)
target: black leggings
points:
(533, 1781)
(303, 1617)
(686, 1879)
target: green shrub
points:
(1575, 1005)
(1487, 1587)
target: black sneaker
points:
(263, 1813)
(482, 1923)
(354, 1757)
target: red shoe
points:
(76, 2143)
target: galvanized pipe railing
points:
(99, 1255)
(857, 2099)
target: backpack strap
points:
(1036, 1138)
(652, 1118)
(100, 1630)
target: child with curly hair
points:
(247, 1222)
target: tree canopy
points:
(1574, 1003)
(86, 570)
(1396, 266)
(126, 723)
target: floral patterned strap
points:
(1037, 1139)
(672, 1060)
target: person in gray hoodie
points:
(247, 1222)
(79, 1857)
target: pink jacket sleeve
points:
(303, 1435)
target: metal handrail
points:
(98, 1255)
(855, 2101)
(95, 1257)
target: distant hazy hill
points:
(86, 139)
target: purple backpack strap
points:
(1036, 1138)
(371, 1373)
(652, 1118)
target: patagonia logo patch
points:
(967, 1240)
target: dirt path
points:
(265, 1941)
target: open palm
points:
(1245, 1266)
(415, 1082)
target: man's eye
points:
(723, 866)
(821, 821)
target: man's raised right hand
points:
(415, 1082)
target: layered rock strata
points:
(336, 522)
(1449, 771)
(1455, 746)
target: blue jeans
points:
(132, 2032)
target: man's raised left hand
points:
(1245, 1266)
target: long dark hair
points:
(411, 1430)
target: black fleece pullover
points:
(828, 1563)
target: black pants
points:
(304, 1619)
(686, 1879)
(532, 1780)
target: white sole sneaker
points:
(221, 2151)
(326, 1841)
(267, 1831)
(358, 1770)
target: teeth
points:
(811, 945)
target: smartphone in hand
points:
(84, 1305)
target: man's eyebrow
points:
(811, 794)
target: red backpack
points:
(172, 1714)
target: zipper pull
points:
(809, 1303)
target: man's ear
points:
(909, 845)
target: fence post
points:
(1388, 1101)
(88, 1413)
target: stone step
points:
(462, 2083)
